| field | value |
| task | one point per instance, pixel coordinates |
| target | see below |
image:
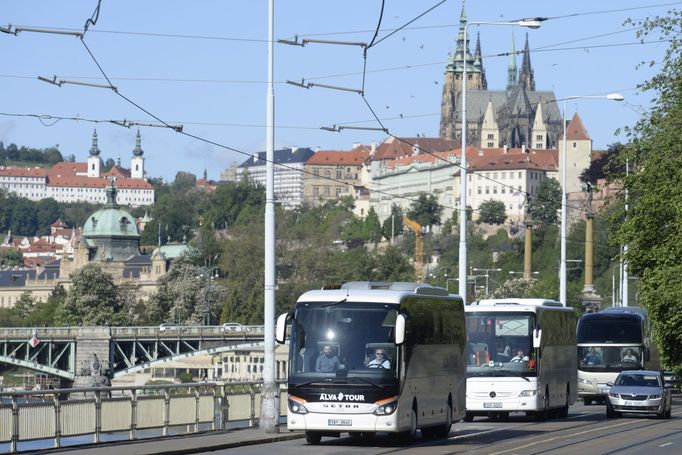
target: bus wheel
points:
(442, 431)
(407, 437)
(563, 411)
(544, 413)
(313, 438)
(468, 417)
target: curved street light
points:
(564, 200)
(532, 23)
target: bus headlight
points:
(584, 381)
(386, 407)
(296, 405)
(528, 393)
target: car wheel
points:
(313, 438)
(544, 413)
(610, 413)
(669, 413)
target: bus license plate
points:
(340, 422)
(634, 403)
(492, 405)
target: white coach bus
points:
(522, 357)
(375, 357)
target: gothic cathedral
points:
(518, 116)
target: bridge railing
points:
(142, 331)
(68, 416)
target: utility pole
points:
(269, 416)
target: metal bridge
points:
(59, 351)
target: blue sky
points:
(203, 64)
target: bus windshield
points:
(610, 330)
(609, 358)
(500, 344)
(343, 340)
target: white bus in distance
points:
(375, 357)
(522, 357)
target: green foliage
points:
(372, 226)
(24, 305)
(546, 202)
(186, 295)
(10, 258)
(426, 210)
(92, 300)
(654, 184)
(185, 377)
(26, 156)
(393, 225)
(492, 212)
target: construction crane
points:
(418, 248)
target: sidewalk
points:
(203, 442)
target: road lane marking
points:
(666, 444)
(566, 436)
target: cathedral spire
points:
(478, 61)
(511, 67)
(526, 76)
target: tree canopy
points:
(654, 187)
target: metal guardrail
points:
(139, 331)
(60, 413)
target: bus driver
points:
(379, 360)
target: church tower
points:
(452, 80)
(137, 162)
(539, 131)
(94, 161)
(526, 77)
(490, 132)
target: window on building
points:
(538, 137)
(479, 190)
(495, 189)
(487, 190)
(491, 136)
(327, 173)
(519, 174)
(491, 144)
(339, 174)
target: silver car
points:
(639, 392)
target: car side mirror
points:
(610, 384)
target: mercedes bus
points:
(610, 341)
(375, 357)
(521, 357)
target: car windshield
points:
(341, 341)
(638, 380)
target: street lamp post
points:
(487, 275)
(564, 200)
(208, 277)
(532, 23)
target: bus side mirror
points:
(537, 337)
(400, 329)
(281, 329)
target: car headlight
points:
(614, 395)
(528, 393)
(654, 397)
(386, 407)
(296, 405)
(583, 381)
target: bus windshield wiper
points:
(367, 381)
(333, 303)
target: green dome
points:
(110, 221)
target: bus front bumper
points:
(339, 423)
(483, 406)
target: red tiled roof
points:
(11, 171)
(58, 224)
(65, 169)
(401, 147)
(575, 131)
(116, 171)
(94, 182)
(355, 157)
(496, 159)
